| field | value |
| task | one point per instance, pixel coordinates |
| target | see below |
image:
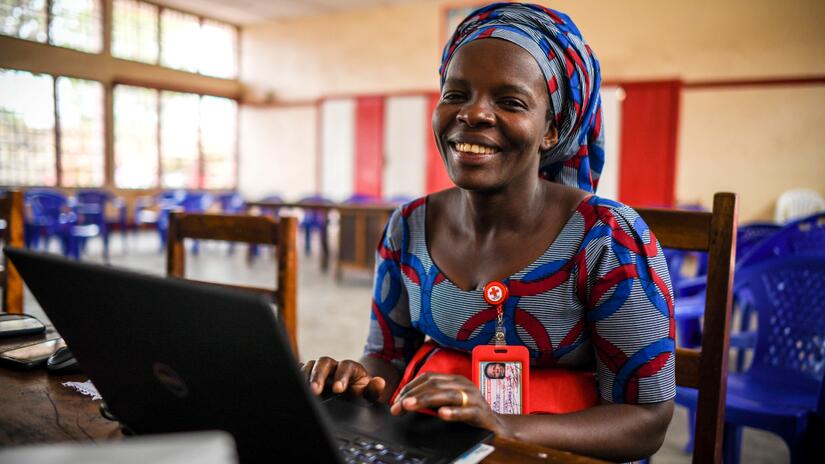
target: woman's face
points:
(491, 122)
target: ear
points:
(551, 137)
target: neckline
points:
(552, 244)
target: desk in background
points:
(360, 229)
(36, 408)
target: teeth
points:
(473, 148)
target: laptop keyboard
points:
(360, 450)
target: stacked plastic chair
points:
(90, 208)
(49, 217)
(782, 392)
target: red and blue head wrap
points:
(573, 81)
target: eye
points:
(452, 96)
(513, 103)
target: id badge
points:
(502, 375)
(502, 372)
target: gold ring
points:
(463, 398)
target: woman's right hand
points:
(349, 377)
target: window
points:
(179, 140)
(136, 137)
(180, 40)
(27, 148)
(135, 31)
(218, 130)
(80, 117)
(24, 19)
(193, 136)
(76, 24)
(218, 43)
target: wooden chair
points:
(11, 211)
(262, 230)
(705, 369)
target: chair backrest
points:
(749, 235)
(11, 212)
(705, 369)
(801, 237)
(788, 297)
(263, 230)
(231, 202)
(797, 203)
(46, 205)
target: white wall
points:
(277, 152)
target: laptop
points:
(169, 355)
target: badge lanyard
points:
(495, 294)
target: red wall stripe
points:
(650, 121)
(437, 178)
(369, 145)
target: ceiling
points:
(255, 11)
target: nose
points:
(477, 112)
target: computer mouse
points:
(62, 362)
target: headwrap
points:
(573, 81)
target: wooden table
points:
(36, 408)
(361, 227)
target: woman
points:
(518, 127)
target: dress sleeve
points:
(391, 335)
(630, 310)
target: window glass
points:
(218, 42)
(80, 115)
(77, 24)
(136, 137)
(27, 151)
(135, 31)
(179, 139)
(180, 40)
(218, 141)
(24, 19)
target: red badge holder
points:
(502, 372)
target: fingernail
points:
(446, 412)
(338, 387)
(410, 402)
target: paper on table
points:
(475, 455)
(87, 388)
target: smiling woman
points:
(518, 126)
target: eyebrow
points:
(504, 88)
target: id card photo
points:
(500, 384)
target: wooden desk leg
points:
(324, 246)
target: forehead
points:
(498, 61)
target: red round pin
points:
(495, 293)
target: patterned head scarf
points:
(573, 81)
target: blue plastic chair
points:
(689, 292)
(782, 392)
(805, 236)
(314, 220)
(49, 217)
(231, 203)
(90, 208)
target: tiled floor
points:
(333, 318)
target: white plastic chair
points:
(798, 203)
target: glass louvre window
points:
(27, 150)
(180, 40)
(179, 140)
(80, 114)
(77, 24)
(135, 31)
(218, 42)
(24, 19)
(218, 136)
(136, 137)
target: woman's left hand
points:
(454, 397)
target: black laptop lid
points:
(169, 355)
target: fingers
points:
(375, 388)
(434, 391)
(320, 373)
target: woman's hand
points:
(349, 377)
(454, 397)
